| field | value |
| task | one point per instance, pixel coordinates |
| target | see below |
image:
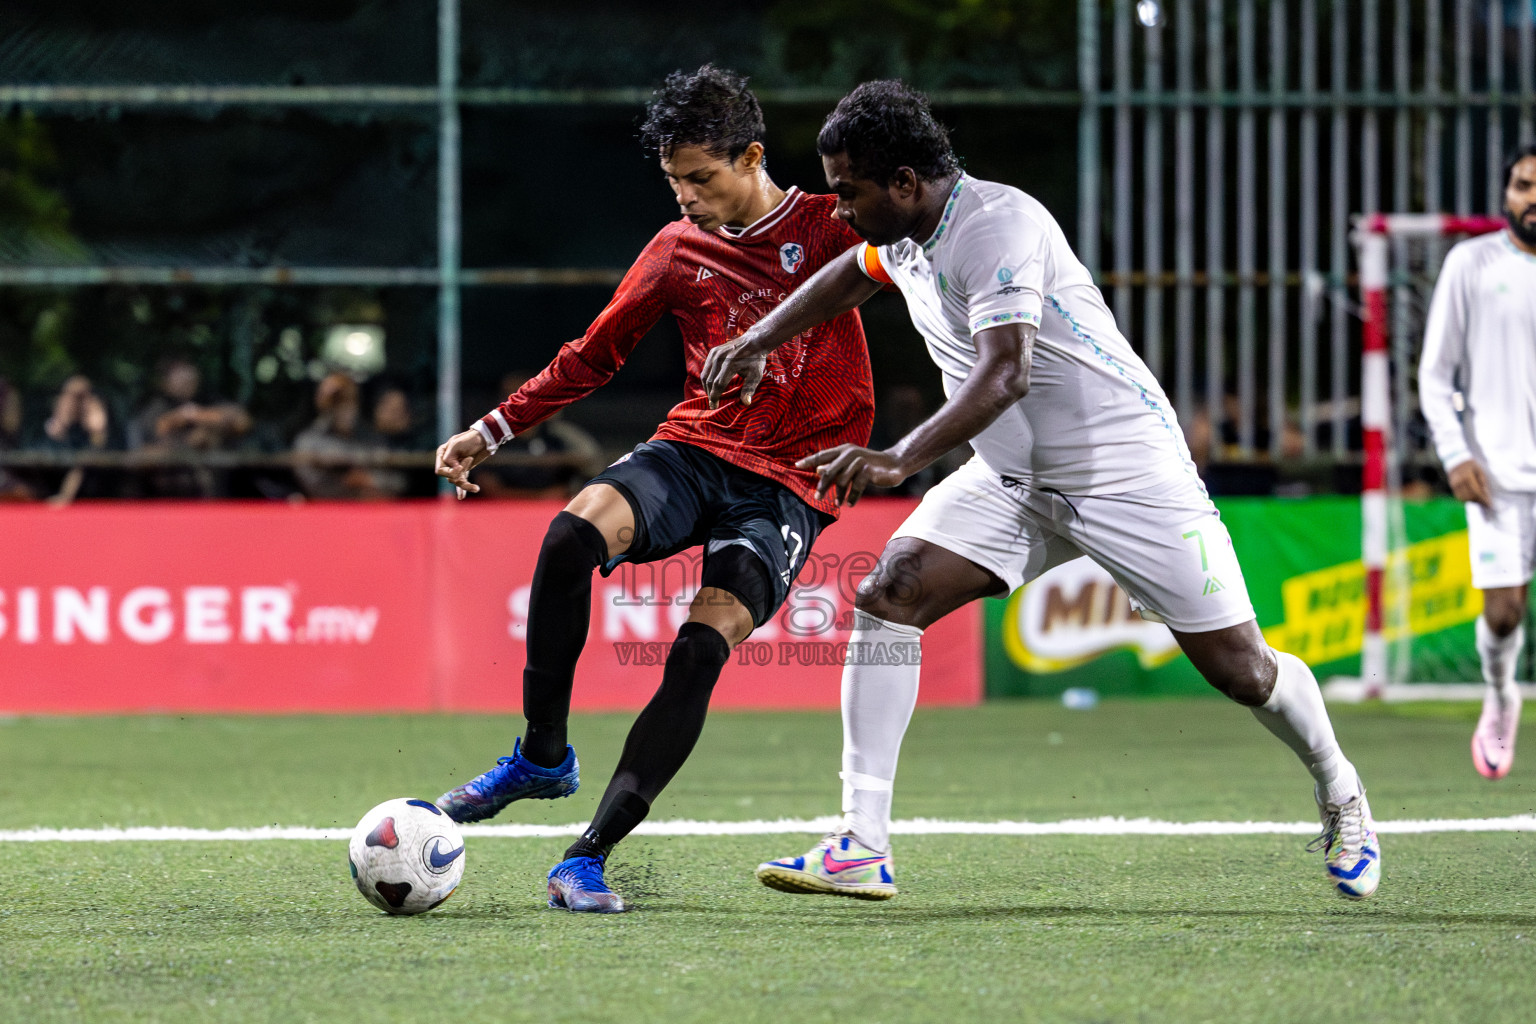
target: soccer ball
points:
(406, 856)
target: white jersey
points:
(1095, 420)
(1481, 334)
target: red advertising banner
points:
(389, 607)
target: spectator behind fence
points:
(394, 427)
(1217, 452)
(568, 457)
(181, 419)
(392, 420)
(336, 435)
(12, 488)
(79, 422)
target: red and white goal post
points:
(1373, 236)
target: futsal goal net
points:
(1399, 257)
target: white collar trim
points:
(768, 220)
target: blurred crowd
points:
(186, 442)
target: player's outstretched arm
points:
(999, 379)
(832, 291)
(458, 455)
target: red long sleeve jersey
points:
(816, 392)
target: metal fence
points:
(1224, 145)
(1224, 148)
(443, 102)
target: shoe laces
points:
(833, 840)
(588, 872)
(1344, 825)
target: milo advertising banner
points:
(1301, 557)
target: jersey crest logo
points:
(1004, 276)
(791, 255)
(704, 274)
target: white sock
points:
(880, 681)
(1499, 656)
(1295, 713)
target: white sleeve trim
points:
(501, 421)
(485, 432)
(863, 269)
(1018, 317)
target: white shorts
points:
(1502, 542)
(1165, 545)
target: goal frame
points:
(1372, 237)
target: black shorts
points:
(684, 497)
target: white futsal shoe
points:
(1351, 851)
(836, 866)
(1493, 744)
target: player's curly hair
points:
(885, 125)
(711, 108)
(1529, 149)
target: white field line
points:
(783, 826)
(1351, 690)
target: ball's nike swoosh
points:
(440, 859)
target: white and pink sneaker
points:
(839, 865)
(1493, 744)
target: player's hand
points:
(1470, 483)
(847, 469)
(460, 454)
(725, 363)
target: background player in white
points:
(1481, 340)
(1078, 452)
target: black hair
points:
(885, 125)
(711, 108)
(1529, 149)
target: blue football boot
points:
(513, 778)
(576, 884)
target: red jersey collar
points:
(765, 223)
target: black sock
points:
(616, 818)
(661, 738)
(559, 608)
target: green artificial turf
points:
(987, 928)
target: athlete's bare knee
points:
(609, 512)
(1236, 661)
(877, 599)
(723, 612)
(1249, 684)
(1503, 611)
(896, 590)
(572, 539)
(1501, 625)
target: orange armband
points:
(869, 259)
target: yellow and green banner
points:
(1301, 559)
